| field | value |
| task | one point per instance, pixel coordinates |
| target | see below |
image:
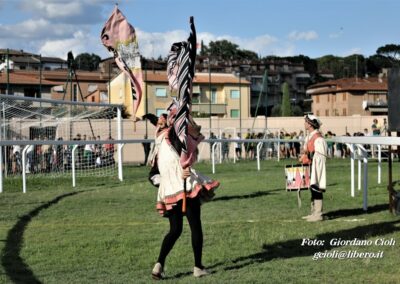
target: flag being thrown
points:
(119, 37)
(180, 71)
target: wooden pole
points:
(184, 197)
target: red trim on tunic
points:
(172, 200)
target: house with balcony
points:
(349, 96)
(218, 94)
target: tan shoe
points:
(158, 272)
(198, 272)
(317, 215)
(312, 211)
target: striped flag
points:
(119, 37)
(180, 71)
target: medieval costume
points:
(180, 189)
(315, 153)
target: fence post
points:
(120, 146)
(1, 169)
(359, 166)
(259, 145)
(120, 173)
(379, 163)
(213, 156)
(73, 165)
(352, 157)
(24, 168)
(364, 155)
(279, 149)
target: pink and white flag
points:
(119, 37)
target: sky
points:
(268, 27)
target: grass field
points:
(106, 231)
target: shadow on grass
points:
(293, 248)
(355, 211)
(15, 267)
(246, 196)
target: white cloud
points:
(36, 29)
(156, 44)
(80, 42)
(309, 35)
(66, 11)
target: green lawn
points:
(106, 231)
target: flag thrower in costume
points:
(180, 71)
(119, 37)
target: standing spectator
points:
(59, 156)
(88, 153)
(225, 147)
(110, 149)
(247, 146)
(212, 136)
(330, 144)
(376, 131)
(16, 159)
(385, 127)
(238, 147)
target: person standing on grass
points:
(168, 175)
(315, 153)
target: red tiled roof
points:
(24, 79)
(349, 84)
(200, 78)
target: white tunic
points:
(318, 168)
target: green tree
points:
(375, 63)
(276, 110)
(390, 51)
(227, 50)
(286, 107)
(297, 111)
(88, 62)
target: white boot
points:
(198, 272)
(317, 215)
(312, 211)
(158, 272)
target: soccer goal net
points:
(43, 122)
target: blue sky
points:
(280, 27)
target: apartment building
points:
(349, 96)
(224, 95)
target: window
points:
(214, 96)
(344, 96)
(317, 112)
(344, 112)
(327, 112)
(328, 97)
(317, 99)
(235, 94)
(235, 113)
(160, 111)
(92, 99)
(161, 92)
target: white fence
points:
(355, 144)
